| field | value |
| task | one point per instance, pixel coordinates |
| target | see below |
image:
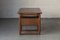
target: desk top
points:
(30, 10)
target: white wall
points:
(50, 8)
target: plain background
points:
(50, 8)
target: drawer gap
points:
(29, 16)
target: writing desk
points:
(29, 16)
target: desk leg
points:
(20, 26)
(38, 27)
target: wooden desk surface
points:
(29, 10)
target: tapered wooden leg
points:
(20, 27)
(38, 25)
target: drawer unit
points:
(28, 14)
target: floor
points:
(50, 30)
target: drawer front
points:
(27, 21)
(29, 14)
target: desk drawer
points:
(29, 21)
(29, 14)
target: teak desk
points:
(29, 16)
